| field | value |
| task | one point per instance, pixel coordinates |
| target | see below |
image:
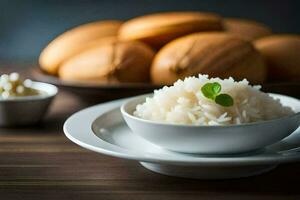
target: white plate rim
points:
(76, 132)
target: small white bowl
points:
(27, 110)
(229, 139)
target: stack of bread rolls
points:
(162, 48)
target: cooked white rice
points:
(184, 103)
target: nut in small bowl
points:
(23, 102)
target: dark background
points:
(26, 26)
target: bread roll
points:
(74, 41)
(282, 56)
(217, 54)
(158, 29)
(110, 62)
(247, 29)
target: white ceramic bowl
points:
(27, 110)
(229, 139)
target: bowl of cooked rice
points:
(212, 116)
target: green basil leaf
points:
(224, 100)
(207, 91)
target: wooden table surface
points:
(40, 163)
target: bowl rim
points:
(50, 92)
(126, 114)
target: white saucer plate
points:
(102, 129)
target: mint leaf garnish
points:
(216, 88)
(224, 100)
(212, 91)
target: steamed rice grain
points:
(184, 103)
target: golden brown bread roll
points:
(282, 56)
(73, 41)
(110, 62)
(158, 29)
(217, 54)
(247, 29)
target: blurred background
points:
(26, 26)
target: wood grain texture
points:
(40, 163)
